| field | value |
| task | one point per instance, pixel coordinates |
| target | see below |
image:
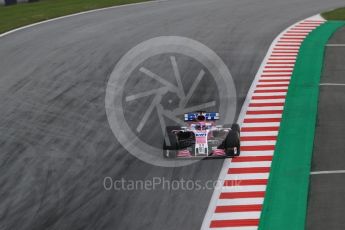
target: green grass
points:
(337, 14)
(15, 16)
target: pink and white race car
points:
(202, 138)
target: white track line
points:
(76, 14)
(332, 84)
(251, 188)
(250, 164)
(263, 116)
(241, 201)
(328, 172)
(276, 78)
(335, 45)
(257, 143)
(267, 133)
(240, 228)
(268, 101)
(270, 94)
(247, 176)
(265, 108)
(266, 124)
(236, 215)
(257, 153)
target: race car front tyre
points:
(236, 127)
(232, 144)
(170, 149)
(169, 153)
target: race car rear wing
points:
(209, 116)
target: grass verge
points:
(15, 16)
(337, 14)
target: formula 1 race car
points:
(202, 138)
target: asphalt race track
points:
(55, 141)
(326, 194)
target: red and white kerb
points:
(238, 203)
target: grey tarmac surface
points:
(55, 142)
(326, 204)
